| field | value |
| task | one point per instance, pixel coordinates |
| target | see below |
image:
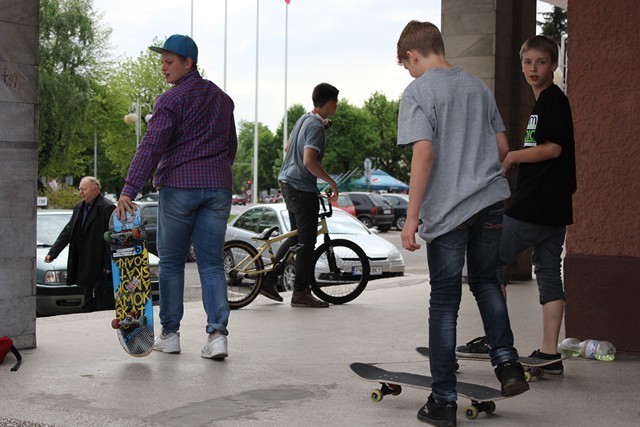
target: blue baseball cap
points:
(180, 45)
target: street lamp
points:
(134, 117)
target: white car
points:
(53, 295)
(385, 259)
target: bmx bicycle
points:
(340, 273)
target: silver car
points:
(53, 295)
(384, 257)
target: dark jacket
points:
(89, 254)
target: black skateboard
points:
(533, 366)
(482, 398)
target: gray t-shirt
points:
(308, 132)
(458, 114)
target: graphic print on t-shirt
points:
(529, 140)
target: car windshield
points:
(50, 226)
(339, 223)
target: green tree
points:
(242, 167)
(389, 157)
(72, 45)
(554, 24)
(133, 79)
(350, 140)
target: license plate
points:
(356, 270)
(386, 211)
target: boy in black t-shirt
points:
(541, 207)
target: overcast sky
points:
(348, 43)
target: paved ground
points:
(289, 366)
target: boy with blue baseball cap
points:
(189, 148)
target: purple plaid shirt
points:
(191, 139)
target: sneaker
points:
(268, 288)
(478, 347)
(511, 376)
(556, 368)
(438, 413)
(216, 347)
(306, 299)
(167, 343)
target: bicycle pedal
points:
(295, 248)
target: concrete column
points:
(602, 266)
(484, 37)
(19, 20)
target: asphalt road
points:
(415, 262)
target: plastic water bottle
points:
(590, 349)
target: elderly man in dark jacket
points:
(89, 260)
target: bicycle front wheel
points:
(243, 270)
(341, 271)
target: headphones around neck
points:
(326, 123)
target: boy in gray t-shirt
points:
(450, 120)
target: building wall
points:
(602, 266)
(19, 21)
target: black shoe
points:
(306, 299)
(556, 368)
(438, 413)
(268, 288)
(511, 376)
(478, 347)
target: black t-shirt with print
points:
(544, 189)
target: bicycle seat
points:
(266, 235)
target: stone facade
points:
(19, 21)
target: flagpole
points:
(224, 84)
(254, 185)
(285, 126)
(191, 18)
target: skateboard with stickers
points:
(533, 366)
(131, 284)
(482, 397)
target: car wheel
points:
(366, 221)
(384, 228)
(191, 255)
(400, 222)
(288, 277)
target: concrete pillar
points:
(484, 37)
(19, 20)
(602, 266)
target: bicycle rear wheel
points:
(341, 271)
(244, 273)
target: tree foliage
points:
(72, 44)
(554, 24)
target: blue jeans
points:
(478, 238)
(200, 214)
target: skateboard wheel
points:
(143, 321)
(136, 233)
(457, 366)
(528, 376)
(115, 324)
(471, 412)
(491, 408)
(376, 396)
(395, 389)
(107, 236)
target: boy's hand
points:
(124, 206)
(409, 234)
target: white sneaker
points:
(216, 347)
(167, 343)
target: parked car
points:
(344, 202)
(386, 260)
(149, 197)
(53, 295)
(239, 199)
(150, 217)
(400, 202)
(373, 210)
